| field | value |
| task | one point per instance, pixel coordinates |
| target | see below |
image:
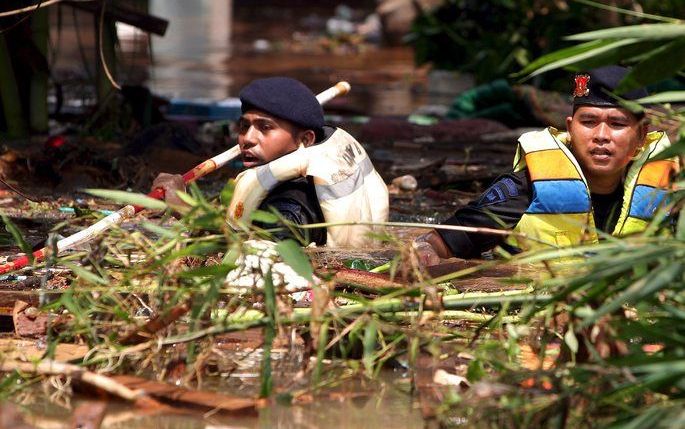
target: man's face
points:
(604, 139)
(263, 138)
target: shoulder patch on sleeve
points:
(499, 192)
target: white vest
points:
(348, 187)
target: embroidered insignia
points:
(239, 209)
(581, 89)
(494, 195)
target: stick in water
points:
(204, 168)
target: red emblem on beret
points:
(581, 89)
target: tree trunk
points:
(38, 100)
(9, 91)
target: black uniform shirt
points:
(502, 205)
(296, 201)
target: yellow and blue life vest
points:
(560, 212)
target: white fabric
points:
(348, 187)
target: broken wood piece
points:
(348, 276)
(16, 349)
(180, 396)
(103, 382)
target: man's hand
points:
(430, 248)
(171, 183)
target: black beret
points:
(284, 98)
(596, 87)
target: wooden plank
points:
(32, 350)
(180, 396)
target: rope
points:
(102, 54)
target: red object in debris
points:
(55, 141)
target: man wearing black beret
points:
(308, 171)
(600, 175)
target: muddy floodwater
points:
(211, 49)
(378, 404)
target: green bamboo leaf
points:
(369, 343)
(293, 255)
(186, 198)
(649, 418)
(159, 230)
(86, 275)
(195, 249)
(680, 228)
(561, 54)
(18, 237)
(266, 381)
(320, 351)
(124, 197)
(664, 97)
(645, 286)
(211, 271)
(643, 32)
(562, 62)
(263, 217)
(671, 59)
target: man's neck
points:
(604, 185)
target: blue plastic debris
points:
(201, 109)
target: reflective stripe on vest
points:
(560, 213)
(347, 186)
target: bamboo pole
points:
(9, 92)
(128, 211)
(465, 301)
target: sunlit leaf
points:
(85, 274)
(124, 197)
(263, 217)
(562, 54)
(293, 255)
(643, 32)
(664, 97)
(562, 62)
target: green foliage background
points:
(495, 38)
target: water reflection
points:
(189, 61)
(213, 48)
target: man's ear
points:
(306, 138)
(644, 128)
(569, 119)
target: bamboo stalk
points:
(302, 315)
(128, 211)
